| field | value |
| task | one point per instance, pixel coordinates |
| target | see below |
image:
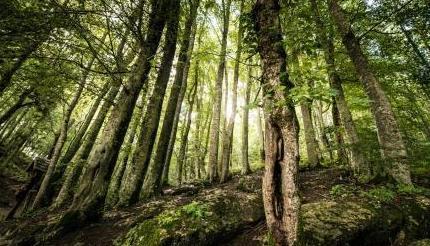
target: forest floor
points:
(315, 186)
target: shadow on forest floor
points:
(315, 186)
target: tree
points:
(139, 162)
(153, 181)
(93, 187)
(228, 135)
(280, 188)
(389, 135)
(216, 112)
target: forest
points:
(215, 122)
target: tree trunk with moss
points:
(118, 176)
(216, 112)
(184, 138)
(390, 139)
(280, 187)
(358, 161)
(245, 126)
(91, 193)
(308, 126)
(228, 135)
(77, 140)
(62, 138)
(74, 169)
(153, 180)
(138, 165)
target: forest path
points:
(315, 186)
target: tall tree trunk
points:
(15, 107)
(152, 183)
(342, 157)
(187, 123)
(228, 135)
(202, 155)
(358, 161)
(92, 190)
(321, 129)
(115, 184)
(223, 121)
(79, 160)
(172, 140)
(308, 126)
(138, 165)
(389, 136)
(216, 112)
(245, 125)
(62, 138)
(280, 187)
(260, 134)
(198, 134)
(77, 140)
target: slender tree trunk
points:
(15, 107)
(216, 113)
(77, 140)
(280, 187)
(136, 169)
(260, 134)
(342, 156)
(61, 139)
(92, 190)
(228, 135)
(245, 126)
(202, 154)
(358, 161)
(223, 121)
(172, 139)
(115, 185)
(153, 180)
(389, 135)
(198, 134)
(321, 127)
(311, 143)
(187, 124)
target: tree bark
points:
(216, 112)
(138, 165)
(62, 138)
(342, 157)
(245, 125)
(228, 135)
(260, 134)
(172, 139)
(389, 135)
(184, 138)
(115, 184)
(280, 187)
(358, 162)
(77, 140)
(153, 180)
(311, 143)
(14, 108)
(93, 187)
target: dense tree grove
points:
(113, 102)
